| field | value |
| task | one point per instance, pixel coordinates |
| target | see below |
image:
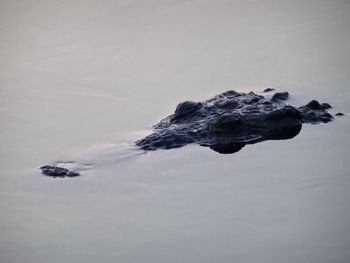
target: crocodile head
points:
(231, 120)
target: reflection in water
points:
(227, 148)
(233, 147)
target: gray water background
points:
(88, 77)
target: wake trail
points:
(100, 156)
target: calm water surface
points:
(81, 80)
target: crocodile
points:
(226, 123)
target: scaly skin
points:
(229, 121)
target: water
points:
(87, 78)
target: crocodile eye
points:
(186, 108)
(225, 124)
(286, 112)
